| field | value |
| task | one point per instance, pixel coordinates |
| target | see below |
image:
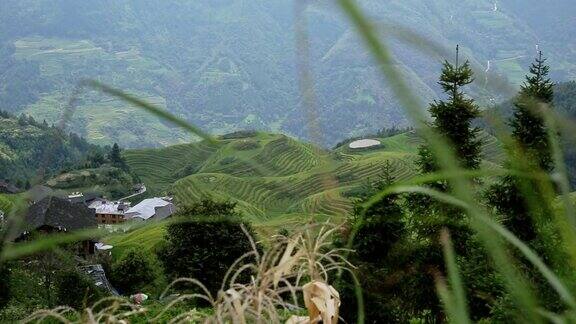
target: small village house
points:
(109, 212)
(58, 215)
(151, 209)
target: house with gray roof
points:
(54, 214)
(151, 209)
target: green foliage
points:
(75, 289)
(133, 271)
(518, 200)
(204, 243)
(375, 234)
(528, 122)
(453, 119)
(5, 293)
(26, 146)
(115, 157)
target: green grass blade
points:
(531, 256)
(460, 314)
(150, 108)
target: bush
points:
(133, 271)
(76, 290)
(205, 244)
(4, 285)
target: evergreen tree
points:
(518, 201)
(116, 158)
(530, 132)
(529, 129)
(379, 229)
(452, 119)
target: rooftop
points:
(102, 206)
(58, 213)
(147, 207)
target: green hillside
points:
(273, 176)
(27, 146)
(277, 181)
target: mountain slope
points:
(232, 64)
(274, 177)
(27, 146)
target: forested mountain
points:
(28, 147)
(230, 64)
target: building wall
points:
(109, 218)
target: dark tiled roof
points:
(59, 213)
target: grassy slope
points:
(277, 181)
(6, 202)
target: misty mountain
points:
(233, 64)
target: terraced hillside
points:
(278, 182)
(274, 176)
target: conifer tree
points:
(116, 157)
(530, 133)
(452, 119)
(376, 244)
(529, 129)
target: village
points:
(49, 212)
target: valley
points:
(232, 65)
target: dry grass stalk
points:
(299, 263)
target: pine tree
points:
(529, 129)
(115, 157)
(518, 201)
(379, 231)
(530, 132)
(452, 119)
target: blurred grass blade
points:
(19, 250)
(459, 309)
(552, 279)
(14, 251)
(150, 108)
(436, 194)
(446, 297)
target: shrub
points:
(205, 244)
(133, 271)
(4, 286)
(76, 290)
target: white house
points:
(151, 208)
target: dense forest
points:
(28, 147)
